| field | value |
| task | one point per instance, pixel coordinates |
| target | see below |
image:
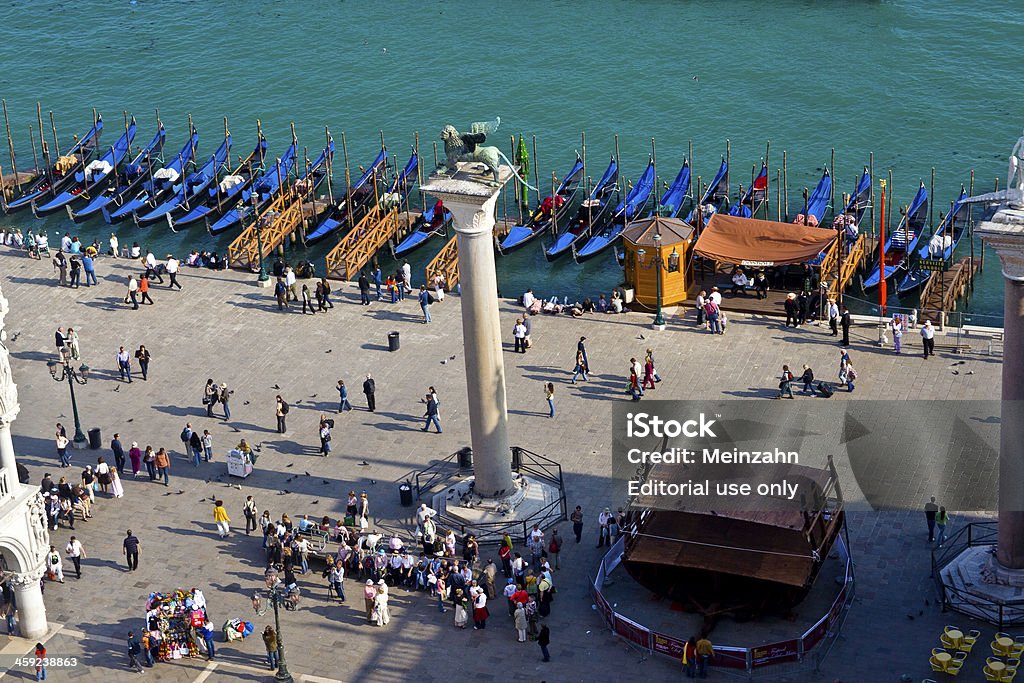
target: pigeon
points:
(131, 419)
(451, 357)
(315, 501)
(313, 396)
(245, 403)
(276, 387)
(284, 492)
(308, 474)
(298, 402)
(328, 350)
(324, 481)
(180, 491)
(14, 337)
(363, 464)
(117, 388)
(970, 372)
(289, 464)
(444, 362)
(959, 362)
(289, 479)
(258, 447)
(235, 429)
(640, 336)
(956, 372)
(373, 482)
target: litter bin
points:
(393, 342)
(405, 494)
(466, 458)
(95, 441)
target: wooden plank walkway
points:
(446, 264)
(364, 240)
(942, 290)
(283, 217)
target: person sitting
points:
(576, 310)
(305, 524)
(552, 306)
(602, 304)
(739, 282)
(395, 544)
(528, 299)
(616, 302)
(588, 305)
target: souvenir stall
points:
(173, 617)
(240, 463)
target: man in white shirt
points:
(172, 270)
(528, 299)
(133, 291)
(114, 245)
(739, 282)
(833, 317)
(407, 276)
(289, 283)
(65, 243)
(76, 552)
(715, 296)
(124, 364)
(928, 337)
(424, 513)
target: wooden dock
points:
(943, 289)
(446, 264)
(364, 240)
(282, 218)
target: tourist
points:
(89, 266)
(431, 414)
(143, 356)
(144, 290)
(833, 317)
(118, 450)
(761, 285)
(705, 652)
(555, 546)
(54, 565)
(602, 303)
(60, 266)
(343, 403)
(250, 512)
(544, 639)
(654, 369)
(847, 374)
(739, 282)
(209, 397)
(648, 371)
(941, 521)
(424, 297)
(281, 411)
(634, 381)
(336, 576)
(407, 275)
(896, 327)
(529, 299)
(220, 517)
(690, 657)
(224, 396)
(713, 311)
(281, 294)
(207, 443)
(62, 449)
(290, 282)
(377, 279)
(381, 612)
(519, 336)
(369, 598)
(40, 661)
(581, 365)
(930, 512)
(163, 466)
(186, 437)
(519, 618)
(172, 271)
(928, 338)
(480, 612)
(785, 383)
(604, 521)
(351, 507)
(318, 294)
(135, 456)
(461, 606)
(549, 395)
(808, 380)
(116, 489)
(195, 443)
(364, 289)
(325, 435)
(845, 321)
(74, 345)
(307, 302)
(134, 650)
(791, 307)
(577, 523)
(124, 365)
(439, 288)
(270, 643)
(616, 301)
(364, 510)
(369, 389)
(206, 631)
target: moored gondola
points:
(192, 189)
(612, 227)
(590, 212)
(360, 197)
(939, 247)
(156, 185)
(263, 190)
(552, 210)
(714, 198)
(754, 197)
(902, 241)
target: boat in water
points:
(611, 230)
(754, 197)
(714, 198)
(672, 202)
(192, 190)
(590, 212)
(155, 185)
(360, 197)
(262, 193)
(93, 176)
(552, 210)
(433, 221)
(940, 246)
(817, 202)
(901, 242)
(59, 174)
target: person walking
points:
(224, 396)
(62, 449)
(689, 658)
(207, 441)
(149, 458)
(325, 435)
(40, 657)
(941, 521)
(343, 403)
(118, 450)
(581, 365)
(791, 310)
(425, 303)
(369, 390)
(210, 396)
(195, 443)
(714, 312)
(75, 267)
(307, 301)
(845, 322)
(281, 294)
(251, 514)
(549, 395)
(833, 317)
(931, 510)
(163, 466)
(577, 523)
(808, 380)
(270, 643)
(544, 639)
(364, 289)
(519, 336)
(135, 456)
(134, 650)
(124, 364)
(144, 296)
(928, 338)
(220, 517)
(431, 414)
(649, 372)
(76, 553)
(281, 411)
(143, 356)
(131, 548)
(172, 270)
(785, 383)
(290, 281)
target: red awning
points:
(752, 242)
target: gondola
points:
(433, 221)
(627, 209)
(264, 189)
(754, 197)
(231, 189)
(856, 208)
(714, 197)
(127, 181)
(941, 245)
(817, 201)
(361, 196)
(541, 220)
(192, 189)
(901, 242)
(671, 203)
(59, 174)
(316, 173)
(93, 176)
(589, 213)
(156, 184)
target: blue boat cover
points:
(26, 199)
(625, 211)
(111, 157)
(131, 172)
(194, 185)
(264, 188)
(672, 201)
(601, 190)
(817, 202)
(743, 208)
(898, 238)
(715, 188)
(521, 233)
(178, 163)
(330, 224)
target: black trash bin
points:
(393, 343)
(95, 440)
(466, 458)
(405, 494)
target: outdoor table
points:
(944, 658)
(997, 667)
(1005, 644)
(956, 636)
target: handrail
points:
(445, 264)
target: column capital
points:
(469, 195)
(1004, 232)
(29, 578)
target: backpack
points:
(284, 408)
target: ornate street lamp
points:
(277, 594)
(73, 376)
(658, 263)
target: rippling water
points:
(919, 83)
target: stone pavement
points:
(222, 326)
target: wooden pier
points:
(364, 240)
(282, 218)
(943, 289)
(446, 264)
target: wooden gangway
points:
(364, 240)
(943, 289)
(840, 271)
(282, 218)
(445, 264)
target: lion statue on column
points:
(469, 147)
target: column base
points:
(977, 585)
(263, 284)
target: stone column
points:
(472, 203)
(1005, 233)
(7, 461)
(29, 598)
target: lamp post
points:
(73, 376)
(659, 317)
(277, 594)
(263, 277)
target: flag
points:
(881, 256)
(524, 171)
